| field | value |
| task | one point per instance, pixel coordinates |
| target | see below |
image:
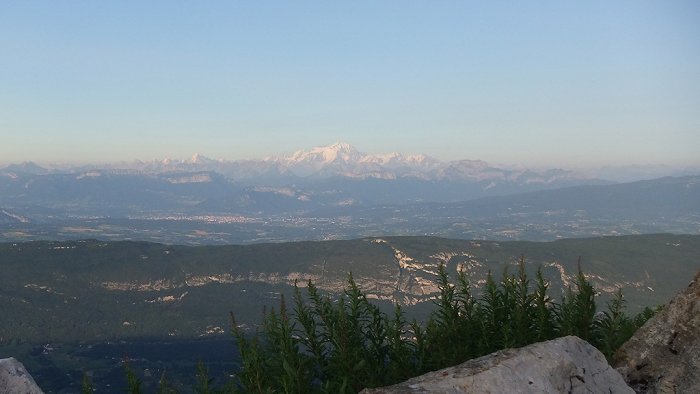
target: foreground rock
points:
(663, 356)
(14, 379)
(564, 365)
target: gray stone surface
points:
(663, 356)
(564, 365)
(14, 379)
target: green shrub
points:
(346, 344)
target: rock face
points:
(564, 365)
(14, 379)
(663, 356)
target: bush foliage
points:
(327, 345)
(343, 345)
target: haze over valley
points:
(333, 192)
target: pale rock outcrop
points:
(563, 365)
(14, 379)
(663, 356)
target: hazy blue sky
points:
(540, 83)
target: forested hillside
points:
(92, 290)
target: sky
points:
(541, 83)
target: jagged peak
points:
(328, 153)
(200, 159)
(341, 146)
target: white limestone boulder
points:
(563, 365)
(14, 378)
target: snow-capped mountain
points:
(338, 157)
(339, 152)
(343, 160)
(395, 160)
(345, 153)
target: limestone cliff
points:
(563, 365)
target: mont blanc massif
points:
(143, 261)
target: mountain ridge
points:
(129, 288)
(343, 159)
(336, 160)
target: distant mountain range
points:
(344, 160)
(335, 175)
(333, 192)
(336, 160)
